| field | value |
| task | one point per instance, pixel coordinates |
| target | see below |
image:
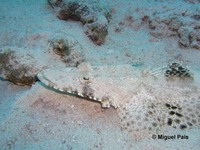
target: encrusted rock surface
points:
(15, 71)
(94, 18)
(183, 25)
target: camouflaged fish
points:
(143, 103)
(106, 84)
(109, 85)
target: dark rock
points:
(94, 19)
(184, 25)
(19, 76)
(98, 30)
(74, 11)
(13, 71)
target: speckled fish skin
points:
(144, 103)
(109, 85)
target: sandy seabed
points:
(38, 118)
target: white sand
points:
(38, 118)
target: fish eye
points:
(86, 78)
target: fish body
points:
(109, 85)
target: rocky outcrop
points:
(15, 71)
(94, 18)
(184, 25)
